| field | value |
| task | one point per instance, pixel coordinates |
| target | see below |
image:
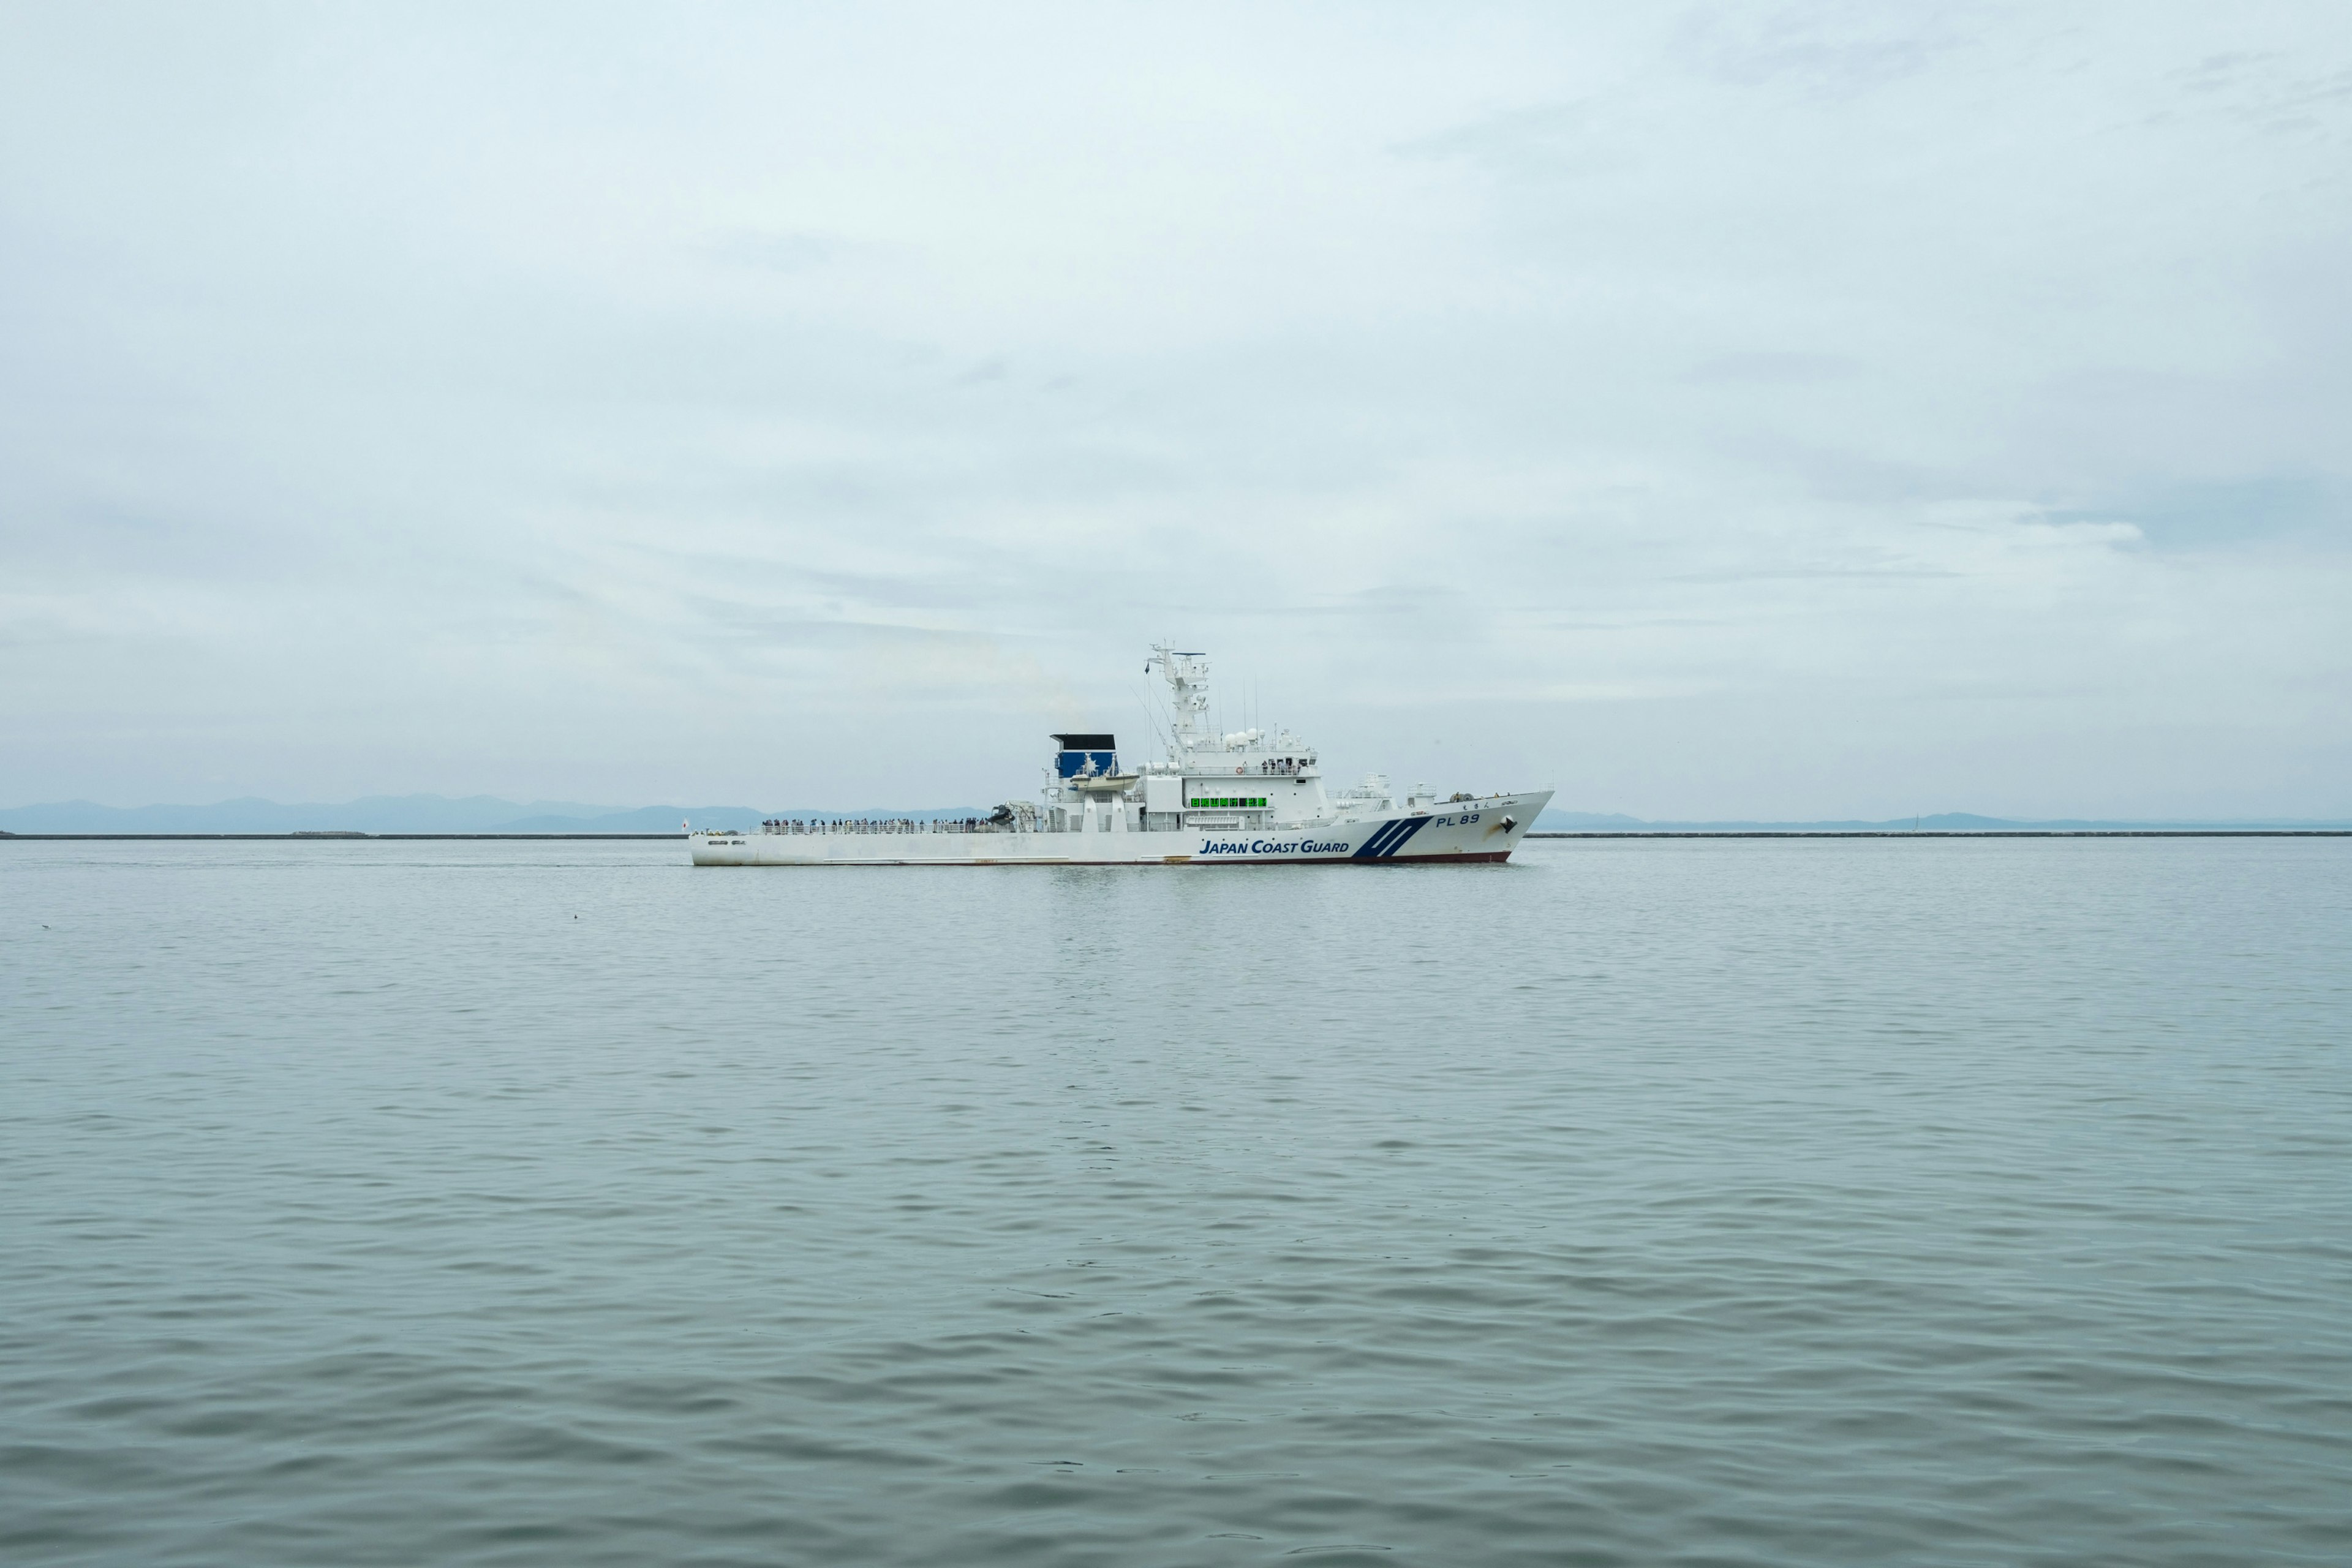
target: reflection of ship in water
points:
(1247, 798)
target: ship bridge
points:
(1210, 780)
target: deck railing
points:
(802, 827)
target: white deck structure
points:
(1248, 797)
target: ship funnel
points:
(1086, 756)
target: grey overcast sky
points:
(1787, 411)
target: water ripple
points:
(1747, 1203)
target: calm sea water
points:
(1724, 1202)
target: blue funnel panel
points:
(1086, 756)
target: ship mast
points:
(1188, 695)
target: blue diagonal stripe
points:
(1405, 829)
(1372, 848)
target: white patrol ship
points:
(1251, 797)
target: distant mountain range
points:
(411, 814)
(488, 814)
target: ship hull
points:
(1462, 833)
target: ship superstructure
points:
(1241, 797)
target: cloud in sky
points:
(1825, 410)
